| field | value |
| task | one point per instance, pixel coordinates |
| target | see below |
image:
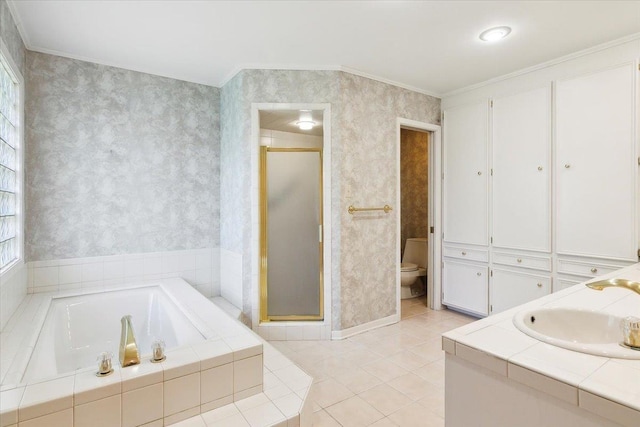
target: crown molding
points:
(547, 64)
(19, 25)
(349, 70)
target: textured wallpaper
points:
(363, 139)
(414, 174)
(11, 37)
(368, 173)
(118, 161)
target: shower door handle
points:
(320, 233)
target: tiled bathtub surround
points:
(13, 289)
(226, 368)
(506, 359)
(199, 267)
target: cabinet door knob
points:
(478, 274)
(594, 270)
(539, 285)
(539, 168)
(567, 166)
(519, 260)
(463, 253)
(479, 172)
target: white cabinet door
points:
(465, 286)
(465, 174)
(510, 288)
(596, 164)
(521, 193)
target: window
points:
(10, 168)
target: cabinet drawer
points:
(527, 261)
(510, 288)
(586, 269)
(467, 254)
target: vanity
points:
(498, 375)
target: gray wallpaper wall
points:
(368, 174)
(364, 114)
(118, 161)
(11, 37)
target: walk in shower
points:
(291, 242)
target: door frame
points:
(434, 270)
(297, 328)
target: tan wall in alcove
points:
(414, 185)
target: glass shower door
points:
(291, 234)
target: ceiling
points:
(285, 120)
(429, 46)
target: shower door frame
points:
(264, 237)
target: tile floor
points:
(391, 376)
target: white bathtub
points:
(78, 328)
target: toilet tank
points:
(415, 251)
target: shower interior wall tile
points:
(231, 277)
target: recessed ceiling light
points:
(305, 124)
(495, 34)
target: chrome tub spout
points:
(128, 348)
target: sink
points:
(585, 331)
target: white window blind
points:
(9, 93)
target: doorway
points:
(427, 219)
(281, 142)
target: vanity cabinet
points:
(465, 286)
(596, 164)
(510, 288)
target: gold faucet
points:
(128, 347)
(615, 283)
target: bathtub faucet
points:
(128, 348)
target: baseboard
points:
(355, 330)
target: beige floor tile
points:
(323, 419)
(357, 380)
(397, 370)
(414, 387)
(433, 373)
(354, 412)
(385, 398)
(409, 360)
(361, 356)
(385, 422)
(328, 392)
(434, 403)
(415, 415)
(385, 369)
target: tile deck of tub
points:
(232, 377)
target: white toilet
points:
(413, 266)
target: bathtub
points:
(49, 358)
(78, 328)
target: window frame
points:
(14, 71)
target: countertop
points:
(606, 386)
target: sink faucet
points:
(615, 283)
(128, 347)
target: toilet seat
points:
(407, 266)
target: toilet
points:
(413, 268)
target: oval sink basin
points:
(585, 331)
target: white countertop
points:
(605, 386)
